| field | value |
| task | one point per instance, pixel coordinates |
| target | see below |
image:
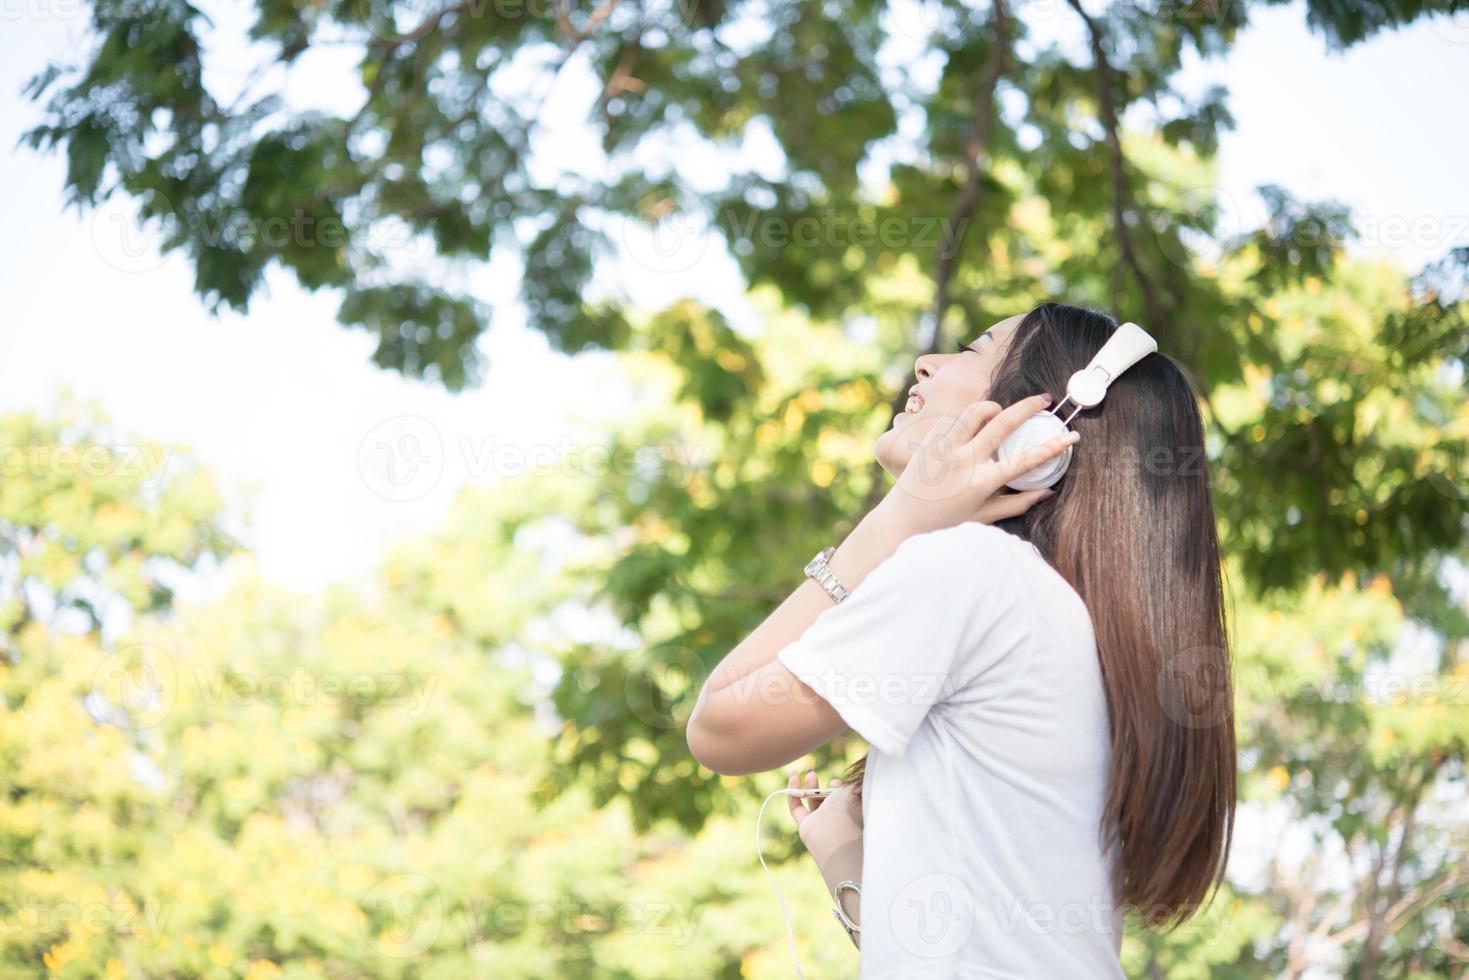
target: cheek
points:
(955, 394)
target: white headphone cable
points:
(790, 930)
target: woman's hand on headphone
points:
(830, 825)
(954, 476)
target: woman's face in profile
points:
(947, 383)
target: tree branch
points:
(961, 213)
(1158, 323)
(980, 127)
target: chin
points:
(896, 446)
(883, 453)
(891, 454)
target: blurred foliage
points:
(442, 160)
(276, 785)
(90, 523)
(478, 767)
(208, 786)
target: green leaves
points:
(420, 330)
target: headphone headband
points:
(1128, 344)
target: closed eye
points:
(965, 348)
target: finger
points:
(1037, 455)
(797, 807)
(971, 420)
(812, 782)
(1005, 422)
(1006, 505)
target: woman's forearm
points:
(869, 544)
(844, 863)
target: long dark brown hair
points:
(1132, 529)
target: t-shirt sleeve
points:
(924, 627)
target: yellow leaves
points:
(115, 970)
(193, 739)
(58, 956)
(356, 878)
(654, 528)
(793, 417)
(36, 880)
(240, 788)
(220, 955)
(550, 837)
(700, 492)
(858, 390)
(262, 970)
(1381, 585)
(1278, 778)
(729, 360)
(822, 473)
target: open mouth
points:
(915, 403)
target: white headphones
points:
(1128, 344)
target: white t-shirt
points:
(970, 665)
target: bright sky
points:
(346, 458)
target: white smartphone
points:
(808, 793)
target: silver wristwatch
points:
(853, 929)
(818, 569)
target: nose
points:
(924, 366)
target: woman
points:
(1043, 677)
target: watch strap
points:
(819, 570)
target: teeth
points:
(914, 404)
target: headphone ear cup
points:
(1034, 431)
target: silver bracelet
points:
(818, 569)
(853, 928)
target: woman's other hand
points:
(829, 826)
